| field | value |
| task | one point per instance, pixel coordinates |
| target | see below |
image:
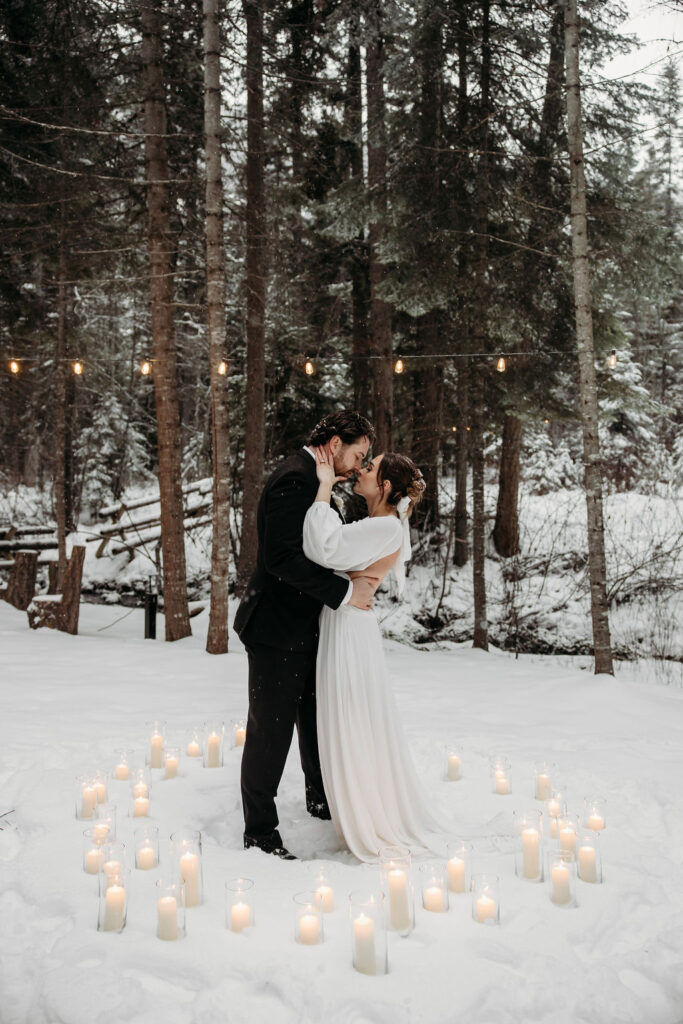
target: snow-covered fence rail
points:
(115, 512)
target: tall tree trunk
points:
(256, 292)
(381, 366)
(597, 569)
(62, 371)
(160, 241)
(462, 436)
(217, 636)
(506, 529)
(480, 339)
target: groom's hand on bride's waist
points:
(363, 592)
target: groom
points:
(277, 621)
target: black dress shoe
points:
(319, 811)
(269, 844)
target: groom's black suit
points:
(277, 620)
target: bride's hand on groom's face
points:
(324, 467)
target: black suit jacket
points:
(282, 602)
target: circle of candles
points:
(170, 911)
(213, 744)
(155, 744)
(186, 847)
(562, 875)
(595, 816)
(194, 747)
(146, 840)
(589, 866)
(86, 797)
(542, 781)
(528, 858)
(121, 768)
(171, 759)
(434, 887)
(114, 910)
(459, 856)
(92, 852)
(486, 899)
(308, 928)
(395, 876)
(500, 776)
(239, 904)
(567, 829)
(556, 805)
(100, 785)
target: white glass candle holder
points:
(562, 877)
(555, 807)
(486, 899)
(434, 886)
(140, 792)
(100, 784)
(104, 825)
(239, 904)
(186, 857)
(595, 813)
(308, 919)
(92, 852)
(156, 732)
(567, 831)
(453, 764)
(171, 761)
(395, 865)
(193, 746)
(86, 797)
(113, 905)
(146, 840)
(459, 866)
(368, 933)
(170, 910)
(324, 891)
(543, 774)
(588, 859)
(528, 845)
(501, 782)
(113, 865)
(214, 735)
(239, 733)
(121, 770)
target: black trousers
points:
(281, 695)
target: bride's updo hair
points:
(405, 479)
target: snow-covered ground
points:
(68, 703)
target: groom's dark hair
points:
(349, 426)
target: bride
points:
(373, 791)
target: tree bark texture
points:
(217, 636)
(480, 340)
(62, 371)
(256, 292)
(462, 437)
(381, 367)
(597, 568)
(161, 246)
(506, 529)
(21, 586)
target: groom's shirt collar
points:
(310, 452)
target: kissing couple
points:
(315, 649)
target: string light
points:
(222, 367)
(454, 429)
(14, 366)
(500, 365)
(145, 368)
(399, 366)
(309, 367)
(77, 367)
(612, 360)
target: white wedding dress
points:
(373, 791)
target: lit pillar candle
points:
(88, 801)
(141, 807)
(486, 908)
(399, 909)
(121, 772)
(240, 917)
(156, 751)
(213, 751)
(112, 871)
(114, 903)
(456, 874)
(567, 838)
(596, 821)
(189, 872)
(167, 918)
(101, 792)
(100, 832)
(240, 735)
(92, 861)
(502, 785)
(325, 898)
(364, 958)
(193, 748)
(530, 851)
(560, 883)
(140, 789)
(146, 858)
(542, 786)
(433, 899)
(171, 767)
(309, 930)
(587, 869)
(453, 767)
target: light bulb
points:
(454, 429)
(612, 360)
(399, 366)
(309, 367)
(222, 367)
(77, 367)
(500, 365)
(14, 366)
(145, 368)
